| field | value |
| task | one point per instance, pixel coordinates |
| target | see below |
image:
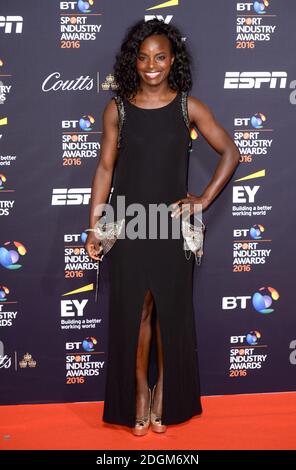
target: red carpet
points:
(260, 421)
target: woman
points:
(150, 150)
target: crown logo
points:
(109, 83)
(27, 360)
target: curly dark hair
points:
(125, 72)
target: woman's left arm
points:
(201, 116)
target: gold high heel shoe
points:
(155, 419)
(142, 424)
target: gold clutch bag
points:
(193, 239)
(107, 234)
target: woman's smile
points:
(151, 75)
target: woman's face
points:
(154, 59)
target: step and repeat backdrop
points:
(56, 76)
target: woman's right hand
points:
(93, 247)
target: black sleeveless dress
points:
(151, 169)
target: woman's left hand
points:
(193, 204)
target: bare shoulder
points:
(110, 113)
(197, 109)
(203, 118)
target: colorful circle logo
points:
(257, 120)
(262, 300)
(83, 237)
(89, 344)
(253, 337)
(2, 180)
(259, 7)
(84, 7)
(4, 291)
(86, 122)
(10, 254)
(256, 230)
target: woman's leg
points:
(143, 351)
(157, 400)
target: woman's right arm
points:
(102, 179)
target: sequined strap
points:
(121, 117)
(184, 105)
(97, 281)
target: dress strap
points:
(121, 117)
(184, 105)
